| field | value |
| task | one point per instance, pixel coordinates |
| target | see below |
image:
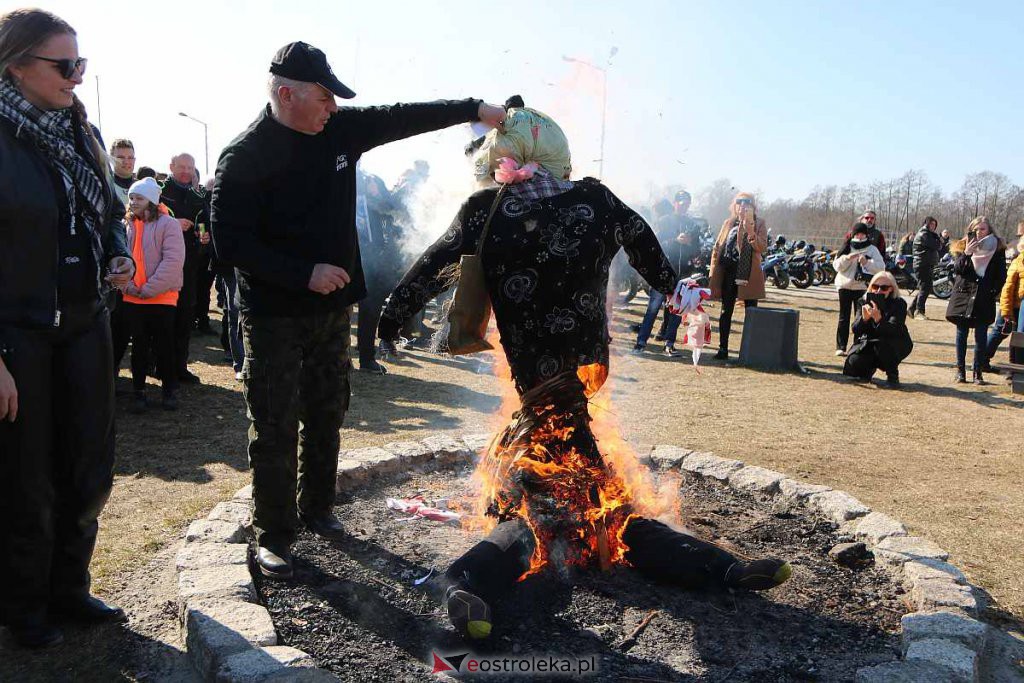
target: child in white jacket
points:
(856, 262)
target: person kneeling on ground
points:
(546, 244)
(881, 337)
(151, 296)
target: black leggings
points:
(729, 292)
(152, 330)
(57, 461)
(847, 300)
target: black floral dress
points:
(546, 266)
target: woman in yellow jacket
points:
(1011, 313)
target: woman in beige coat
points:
(736, 264)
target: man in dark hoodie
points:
(284, 205)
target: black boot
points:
(34, 631)
(892, 379)
(961, 376)
(324, 525)
(88, 610)
(274, 560)
(978, 378)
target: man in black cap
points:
(284, 204)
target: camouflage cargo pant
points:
(296, 386)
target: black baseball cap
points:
(301, 61)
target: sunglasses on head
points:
(66, 67)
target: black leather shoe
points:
(324, 525)
(35, 632)
(88, 610)
(275, 562)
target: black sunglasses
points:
(745, 202)
(66, 67)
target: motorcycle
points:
(942, 277)
(821, 267)
(901, 268)
(776, 267)
(801, 270)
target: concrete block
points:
(961, 662)
(926, 569)
(379, 462)
(200, 555)
(943, 594)
(413, 453)
(234, 511)
(244, 493)
(970, 633)
(351, 474)
(213, 531)
(227, 581)
(258, 663)
(753, 479)
(873, 527)
(449, 451)
(477, 442)
(837, 506)
(217, 629)
(898, 550)
(797, 492)
(667, 457)
(771, 337)
(708, 465)
(916, 671)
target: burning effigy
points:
(545, 245)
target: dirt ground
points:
(943, 458)
(353, 604)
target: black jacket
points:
(33, 208)
(927, 246)
(187, 202)
(973, 301)
(890, 332)
(284, 201)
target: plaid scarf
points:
(53, 133)
(541, 186)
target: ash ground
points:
(354, 607)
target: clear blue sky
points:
(777, 96)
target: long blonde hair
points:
(734, 213)
(889, 279)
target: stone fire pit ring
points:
(229, 636)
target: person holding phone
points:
(62, 249)
(736, 264)
(881, 337)
(856, 262)
(980, 271)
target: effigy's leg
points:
(485, 572)
(668, 555)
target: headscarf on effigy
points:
(526, 137)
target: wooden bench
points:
(1014, 370)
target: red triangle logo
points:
(440, 665)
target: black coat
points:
(890, 335)
(973, 301)
(927, 246)
(33, 209)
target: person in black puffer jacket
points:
(881, 337)
(927, 245)
(980, 271)
(62, 247)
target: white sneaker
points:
(238, 376)
(840, 352)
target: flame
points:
(577, 501)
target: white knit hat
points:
(148, 188)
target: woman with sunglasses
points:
(980, 271)
(881, 337)
(62, 249)
(856, 262)
(736, 264)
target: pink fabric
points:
(510, 173)
(164, 249)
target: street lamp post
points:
(206, 140)
(604, 97)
